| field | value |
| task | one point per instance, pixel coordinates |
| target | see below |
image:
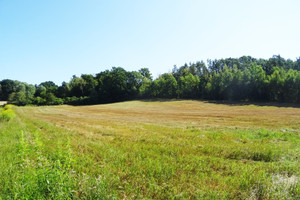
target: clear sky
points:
(43, 40)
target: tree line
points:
(238, 79)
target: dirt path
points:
(2, 103)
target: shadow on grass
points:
(247, 103)
(230, 103)
(222, 102)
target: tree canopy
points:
(240, 79)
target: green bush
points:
(78, 100)
(50, 100)
(8, 106)
(6, 113)
(39, 101)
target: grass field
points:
(151, 150)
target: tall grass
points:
(40, 177)
(29, 172)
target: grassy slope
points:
(160, 150)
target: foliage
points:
(235, 79)
(78, 100)
(164, 87)
(189, 86)
(9, 86)
(47, 98)
(19, 98)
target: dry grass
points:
(173, 113)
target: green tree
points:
(8, 87)
(165, 86)
(114, 85)
(77, 86)
(29, 91)
(18, 98)
(189, 86)
(39, 89)
(276, 85)
(258, 83)
(64, 90)
(226, 81)
(145, 72)
(90, 84)
(291, 87)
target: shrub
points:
(78, 100)
(8, 106)
(39, 101)
(7, 113)
(51, 100)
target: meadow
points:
(181, 149)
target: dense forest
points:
(237, 79)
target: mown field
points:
(151, 150)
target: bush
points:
(78, 100)
(8, 106)
(39, 101)
(7, 113)
(49, 100)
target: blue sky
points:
(55, 39)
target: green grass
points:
(150, 150)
